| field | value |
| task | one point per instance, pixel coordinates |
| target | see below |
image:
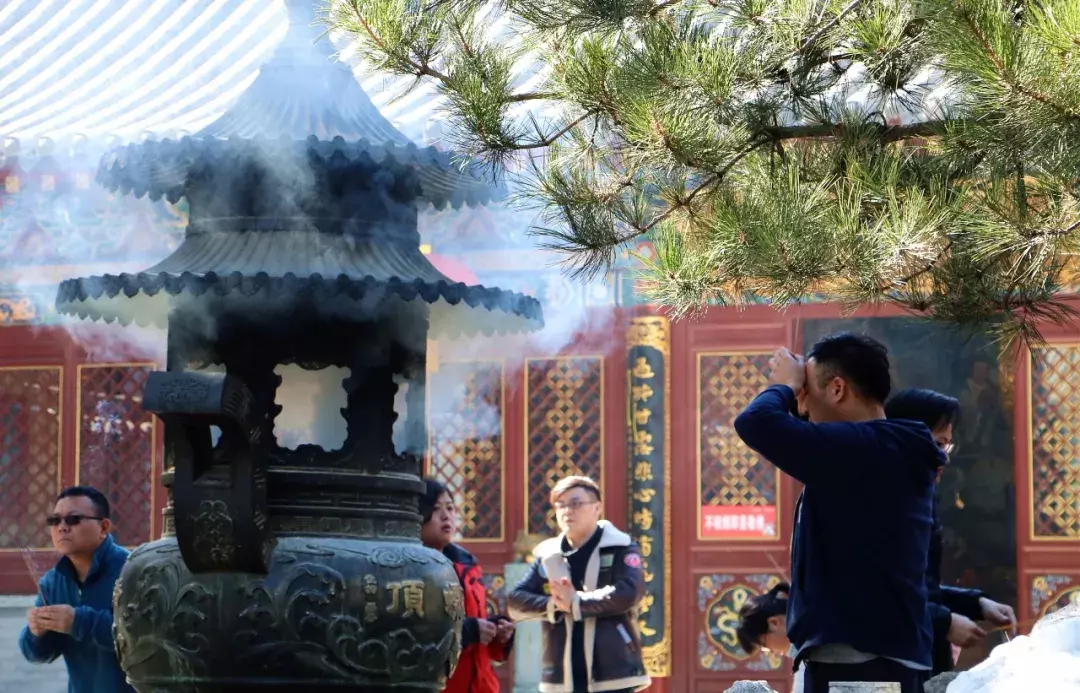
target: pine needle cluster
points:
(918, 152)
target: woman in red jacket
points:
(483, 639)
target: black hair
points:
(754, 616)
(931, 408)
(100, 502)
(572, 482)
(432, 492)
(861, 360)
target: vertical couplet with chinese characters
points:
(649, 426)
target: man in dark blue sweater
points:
(73, 617)
(858, 604)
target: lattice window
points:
(465, 442)
(1055, 444)
(30, 433)
(565, 432)
(731, 473)
(116, 444)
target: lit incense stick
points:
(783, 573)
(28, 557)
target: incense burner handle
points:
(218, 491)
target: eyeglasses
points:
(573, 506)
(69, 520)
(946, 448)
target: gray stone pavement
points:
(16, 674)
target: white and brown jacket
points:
(614, 586)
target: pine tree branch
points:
(679, 103)
(663, 6)
(887, 133)
(812, 38)
(420, 69)
(532, 96)
(1072, 227)
(708, 183)
(1006, 75)
(924, 270)
(551, 139)
(461, 37)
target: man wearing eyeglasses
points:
(586, 583)
(73, 613)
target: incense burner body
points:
(332, 613)
(293, 567)
(288, 569)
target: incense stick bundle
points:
(28, 558)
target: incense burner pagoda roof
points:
(303, 199)
(305, 97)
(146, 298)
(162, 169)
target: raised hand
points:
(787, 369)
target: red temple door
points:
(1047, 440)
(732, 522)
(66, 420)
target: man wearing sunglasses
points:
(73, 613)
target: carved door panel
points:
(732, 524)
(118, 446)
(30, 467)
(1047, 426)
(65, 420)
(34, 452)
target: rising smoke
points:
(94, 232)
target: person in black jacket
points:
(589, 632)
(763, 626)
(858, 604)
(953, 610)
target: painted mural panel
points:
(719, 598)
(1051, 592)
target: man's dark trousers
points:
(819, 675)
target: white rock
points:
(750, 687)
(1047, 661)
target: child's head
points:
(763, 621)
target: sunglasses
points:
(69, 520)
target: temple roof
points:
(110, 71)
(120, 69)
